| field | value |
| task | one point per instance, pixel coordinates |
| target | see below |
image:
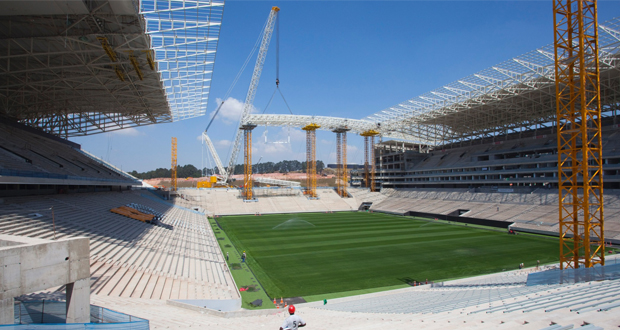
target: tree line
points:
(189, 170)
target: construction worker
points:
(293, 322)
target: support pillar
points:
(248, 180)
(173, 166)
(7, 311)
(369, 151)
(311, 159)
(78, 301)
(341, 160)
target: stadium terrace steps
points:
(487, 294)
(536, 210)
(49, 156)
(226, 202)
(128, 257)
(363, 195)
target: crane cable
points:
(277, 69)
(234, 83)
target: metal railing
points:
(52, 315)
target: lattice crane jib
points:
(311, 159)
(580, 175)
(248, 182)
(369, 151)
(249, 99)
(173, 166)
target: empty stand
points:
(177, 259)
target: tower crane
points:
(249, 99)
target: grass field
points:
(299, 255)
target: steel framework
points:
(338, 162)
(84, 67)
(249, 99)
(173, 166)
(369, 151)
(505, 98)
(341, 161)
(248, 182)
(345, 173)
(329, 124)
(580, 162)
(311, 159)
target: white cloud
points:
(131, 131)
(351, 148)
(297, 135)
(231, 111)
(222, 143)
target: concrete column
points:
(7, 312)
(78, 301)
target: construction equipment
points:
(249, 99)
(311, 159)
(173, 166)
(248, 183)
(341, 160)
(369, 152)
(580, 160)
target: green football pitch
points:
(298, 255)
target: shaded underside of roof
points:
(79, 67)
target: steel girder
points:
(513, 94)
(331, 123)
(56, 75)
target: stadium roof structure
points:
(518, 93)
(79, 67)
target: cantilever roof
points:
(56, 74)
(516, 93)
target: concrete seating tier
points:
(537, 210)
(178, 259)
(49, 156)
(226, 201)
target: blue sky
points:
(338, 58)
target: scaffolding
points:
(341, 161)
(580, 168)
(173, 166)
(248, 183)
(369, 151)
(311, 159)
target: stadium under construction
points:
(524, 147)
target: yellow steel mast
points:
(248, 181)
(311, 159)
(173, 166)
(580, 164)
(341, 160)
(369, 150)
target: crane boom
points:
(249, 99)
(211, 147)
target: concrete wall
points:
(28, 265)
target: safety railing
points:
(610, 271)
(53, 315)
